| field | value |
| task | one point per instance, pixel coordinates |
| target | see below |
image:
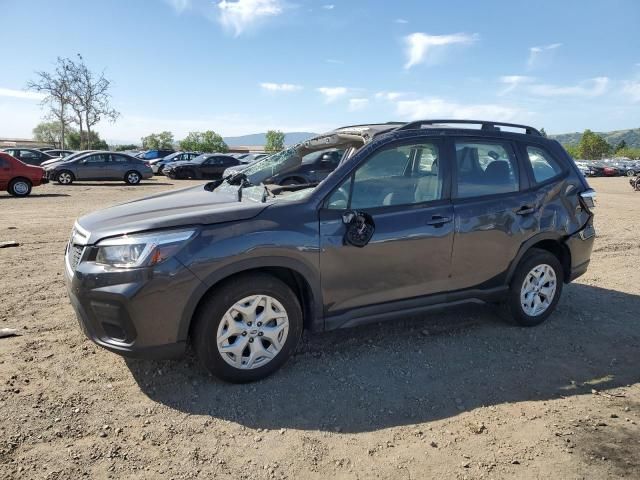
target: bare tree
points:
(90, 93)
(57, 90)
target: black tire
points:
(132, 177)
(65, 177)
(19, 187)
(212, 310)
(534, 257)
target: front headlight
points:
(141, 250)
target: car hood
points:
(188, 206)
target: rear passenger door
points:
(494, 212)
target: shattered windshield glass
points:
(270, 166)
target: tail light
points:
(588, 199)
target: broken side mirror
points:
(360, 228)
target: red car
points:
(17, 178)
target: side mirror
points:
(360, 228)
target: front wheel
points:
(20, 187)
(132, 178)
(535, 289)
(65, 177)
(248, 328)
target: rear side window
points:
(485, 168)
(544, 166)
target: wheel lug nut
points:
(248, 324)
(260, 334)
(251, 340)
(244, 334)
(259, 324)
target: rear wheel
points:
(20, 187)
(535, 289)
(65, 177)
(631, 173)
(132, 177)
(248, 328)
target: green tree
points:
(592, 146)
(76, 140)
(208, 142)
(543, 132)
(50, 132)
(122, 148)
(573, 150)
(621, 146)
(633, 153)
(275, 141)
(155, 141)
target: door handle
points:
(525, 210)
(438, 220)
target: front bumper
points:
(133, 312)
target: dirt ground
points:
(454, 394)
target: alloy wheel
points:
(538, 290)
(64, 178)
(133, 178)
(21, 188)
(252, 332)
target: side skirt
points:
(392, 310)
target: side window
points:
(101, 158)
(543, 164)
(121, 159)
(28, 155)
(395, 176)
(485, 168)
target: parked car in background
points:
(154, 154)
(207, 165)
(30, 156)
(17, 177)
(411, 219)
(68, 158)
(100, 165)
(158, 164)
(59, 153)
(313, 168)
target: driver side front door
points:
(405, 190)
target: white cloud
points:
(356, 104)
(280, 87)
(421, 47)
(593, 87)
(512, 82)
(328, 7)
(542, 54)
(334, 61)
(437, 107)
(632, 89)
(238, 15)
(401, 21)
(22, 94)
(179, 5)
(390, 96)
(331, 94)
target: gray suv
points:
(415, 215)
(100, 166)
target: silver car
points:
(100, 166)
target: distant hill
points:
(631, 137)
(290, 138)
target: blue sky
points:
(245, 66)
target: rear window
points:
(544, 166)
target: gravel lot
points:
(455, 394)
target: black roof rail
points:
(485, 125)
